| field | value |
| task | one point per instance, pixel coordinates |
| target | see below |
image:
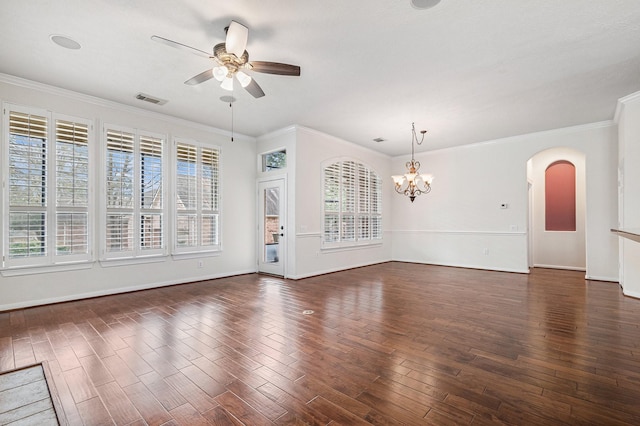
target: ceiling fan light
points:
(243, 78)
(227, 84)
(219, 73)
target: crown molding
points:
(315, 132)
(94, 100)
(560, 131)
(622, 102)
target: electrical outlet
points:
(485, 251)
(200, 263)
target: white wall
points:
(312, 149)
(461, 219)
(558, 249)
(628, 117)
(238, 205)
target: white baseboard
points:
(631, 294)
(332, 270)
(468, 266)
(597, 278)
(569, 268)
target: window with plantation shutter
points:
(352, 206)
(151, 197)
(72, 188)
(197, 198)
(134, 191)
(47, 170)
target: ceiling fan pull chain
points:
(231, 106)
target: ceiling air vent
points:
(149, 98)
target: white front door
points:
(271, 226)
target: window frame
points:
(199, 212)
(359, 203)
(136, 210)
(262, 161)
(52, 209)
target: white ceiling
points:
(467, 71)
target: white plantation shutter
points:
(209, 179)
(348, 206)
(134, 183)
(48, 188)
(151, 187)
(28, 170)
(120, 169)
(197, 197)
(119, 191)
(375, 185)
(332, 203)
(72, 188)
(352, 204)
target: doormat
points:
(26, 398)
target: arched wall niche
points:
(556, 241)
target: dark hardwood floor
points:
(394, 343)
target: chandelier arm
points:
(399, 189)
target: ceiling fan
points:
(232, 60)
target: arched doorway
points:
(561, 244)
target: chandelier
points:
(412, 183)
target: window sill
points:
(31, 270)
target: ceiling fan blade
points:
(181, 46)
(275, 68)
(255, 89)
(237, 35)
(200, 78)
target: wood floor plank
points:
(197, 397)
(241, 410)
(166, 394)
(146, 403)
(336, 413)
(80, 385)
(95, 369)
(93, 412)
(186, 415)
(257, 400)
(119, 406)
(119, 370)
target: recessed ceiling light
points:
(424, 4)
(227, 99)
(65, 41)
